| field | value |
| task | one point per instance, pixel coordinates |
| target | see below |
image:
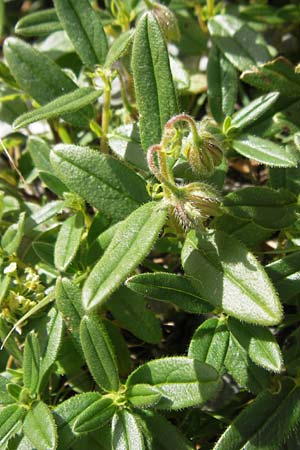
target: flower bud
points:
(167, 21)
(196, 203)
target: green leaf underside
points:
(209, 343)
(101, 180)
(99, 354)
(266, 207)
(277, 75)
(65, 104)
(265, 151)
(131, 244)
(168, 287)
(238, 42)
(228, 276)
(182, 381)
(154, 87)
(39, 427)
(84, 28)
(266, 422)
(41, 78)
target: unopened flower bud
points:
(197, 202)
(167, 21)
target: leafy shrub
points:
(150, 225)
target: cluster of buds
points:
(191, 204)
(202, 147)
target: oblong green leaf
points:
(68, 241)
(68, 301)
(126, 433)
(266, 422)
(99, 354)
(265, 151)
(95, 416)
(264, 206)
(277, 75)
(41, 78)
(228, 276)
(10, 418)
(62, 105)
(209, 343)
(101, 180)
(154, 87)
(135, 238)
(119, 48)
(38, 23)
(253, 111)
(31, 363)
(84, 28)
(260, 344)
(39, 427)
(182, 381)
(168, 287)
(285, 275)
(130, 310)
(66, 414)
(13, 235)
(241, 45)
(222, 85)
(247, 374)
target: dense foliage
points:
(149, 218)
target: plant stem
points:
(210, 7)
(105, 116)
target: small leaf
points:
(210, 342)
(62, 105)
(42, 214)
(42, 78)
(264, 206)
(68, 301)
(130, 310)
(277, 75)
(99, 354)
(126, 433)
(50, 341)
(253, 111)
(260, 344)
(182, 381)
(5, 397)
(241, 45)
(66, 414)
(13, 235)
(119, 48)
(10, 418)
(68, 241)
(155, 94)
(38, 23)
(229, 277)
(95, 416)
(265, 151)
(39, 427)
(168, 287)
(266, 422)
(101, 180)
(222, 85)
(31, 363)
(135, 237)
(84, 28)
(143, 395)
(243, 370)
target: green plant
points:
(154, 212)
